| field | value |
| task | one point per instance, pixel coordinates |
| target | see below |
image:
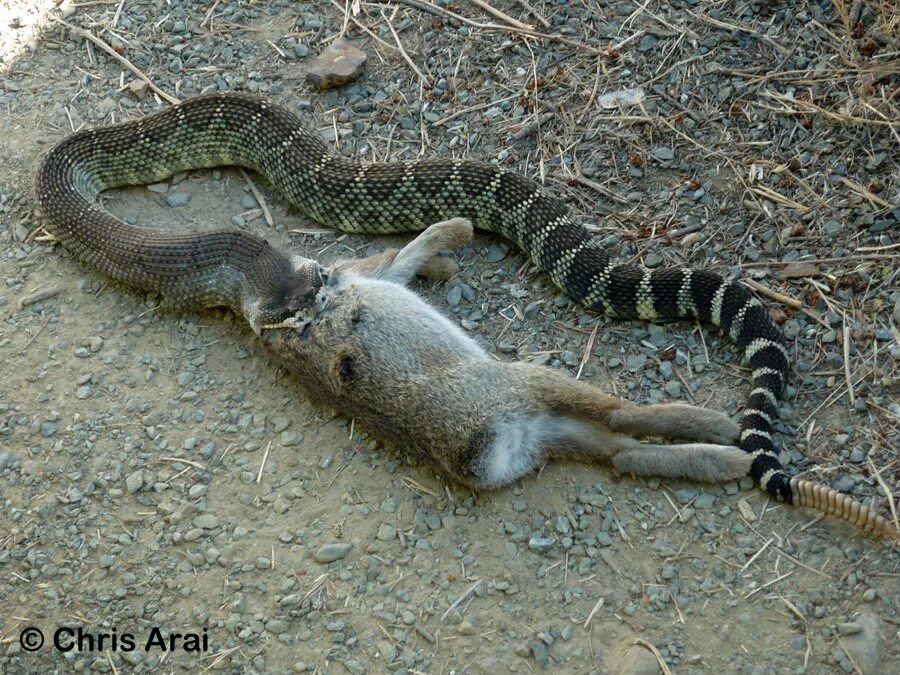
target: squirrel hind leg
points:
(696, 461)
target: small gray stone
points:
(386, 532)
(134, 482)
(540, 652)
(540, 544)
(331, 552)
(832, 228)
(849, 628)
(705, 500)
(673, 389)
(664, 154)
(291, 438)
(647, 42)
(178, 199)
(197, 490)
(465, 627)
(277, 626)
(496, 253)
(454, 296)
(635, 362)
(207, 521)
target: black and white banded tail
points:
(586, 271)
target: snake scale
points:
(242, 271)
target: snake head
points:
(293, 300)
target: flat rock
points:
(338, 64)
(866, 644)
(637, 660)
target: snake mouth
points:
(291, 323)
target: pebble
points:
(454, 296)
(664, 154)
(338, 64)
(178, 199)
(465, 628)
(206, 521)
(496, 253)
(291, 438)
(637, 660)
(673, 388)
(635, 362)
(386, 532)
(540, 544)
(134, 482)
(332, 552)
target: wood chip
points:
(746, 510)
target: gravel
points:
(157, 470)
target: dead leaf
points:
(798, 270)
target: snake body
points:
(239, 270)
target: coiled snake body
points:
(244, 272)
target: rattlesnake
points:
(244, 272)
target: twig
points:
(587, 350)
(181, 460)
(259, 198)
(40, 295)
(773, 295)
(440, 11)
(461, 599)
(497, 14)
(597, 606)
(846, 332)
(87, 35)
(403, 53)
(482, 106)
(34, 337)
(531, 10)
(887, 492)
(115, 19)
(209, 14)
(263, 464)
(808, 107)
(767, 584)
(659, 659)
(865, 192)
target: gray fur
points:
(377, 352)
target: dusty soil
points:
(157, 471)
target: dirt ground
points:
(156, 471)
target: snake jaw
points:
(299, 322)
(290, 322)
